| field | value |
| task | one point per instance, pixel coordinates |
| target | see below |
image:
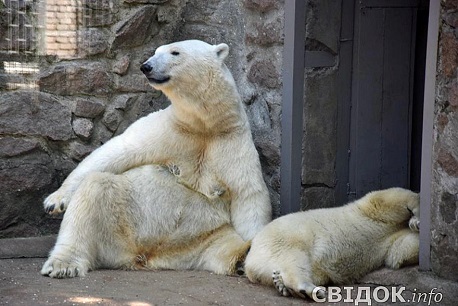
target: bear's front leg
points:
(413, 206)
(144, 142)
(403, 250)
(108, 158)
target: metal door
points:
(380, 103)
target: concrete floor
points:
(22, 284)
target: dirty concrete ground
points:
(22, 284)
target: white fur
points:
(300, 251)
(203, 137)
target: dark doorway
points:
(382, 60)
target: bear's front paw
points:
(56, 202)
(414, 224)
(57, 268)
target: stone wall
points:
(77, 83)
(444, 210)
(319, 141)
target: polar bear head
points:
(186, 66)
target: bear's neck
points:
(209, 114)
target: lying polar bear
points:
(124, 207)
(301, 251)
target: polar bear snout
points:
(152, 74)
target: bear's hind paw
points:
(174, 169)
(279, 284)
(56, 268)
(216, 192)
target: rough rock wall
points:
(444, 209)
(74, 82)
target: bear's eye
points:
(175, 53)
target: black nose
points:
(146, 68)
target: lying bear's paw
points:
(56, 202)
(279, 285)
(57, 268)
(414, 224)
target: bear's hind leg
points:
(89, 228)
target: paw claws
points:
(174, 169)
(414, 224)
(59, 269)
(279, 285)
(55, 203)
(50, 209)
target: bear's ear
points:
(222, 50)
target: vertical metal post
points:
(292, 107)
(342, 190)
(427, 138)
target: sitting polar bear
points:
(181, 188)
(301, 251)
